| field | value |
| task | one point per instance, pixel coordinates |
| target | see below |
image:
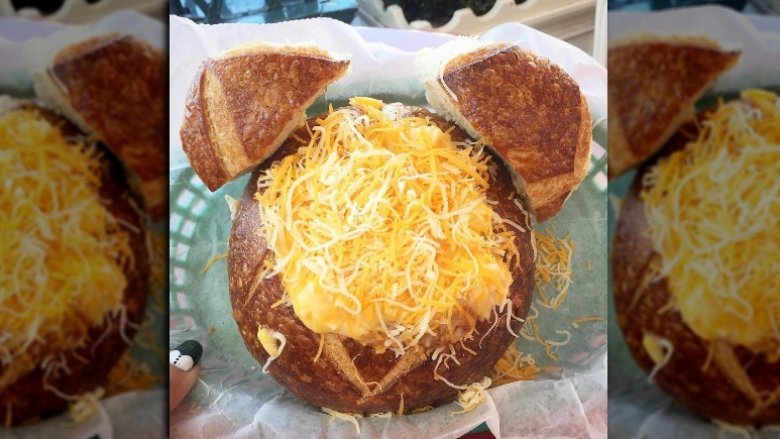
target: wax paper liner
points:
(130, 414)
(234, 399)
(638, 408)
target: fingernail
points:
(186, 355)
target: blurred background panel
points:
(746, 6)
(579, 22)
(127, 384)
(79, 11)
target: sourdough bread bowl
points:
(42, 377)
(701, 353)
(342, 377)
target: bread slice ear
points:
(113, 86)
(654, 82)
(528, 109)
(243, 104)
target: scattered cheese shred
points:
(659, 350)
(64, 253)
(129, 374)
(713, 212)
(513, 366)
(273, 342)
(384, 415)
(474, 395)
(382, 231)
(212, 260)
(319, 349)
(553, 268)
(553, 280)
(349, 417)
(233, 205)
(85, 406)
(580, 320)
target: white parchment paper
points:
(233, 399)
(638, 409)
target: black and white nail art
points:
(186, 355)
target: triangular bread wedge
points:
(113, 86)
(244, 104)
(654, 82)
(528, 109)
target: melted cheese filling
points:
(714, 217)
(382, 231)
(63, 253)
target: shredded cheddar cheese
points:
(514, 366)
(85, 406)
(713, 211)
(273, 342)
(659, 350)
(584, 319)
(385, 415)
(382, 231)
(129, 374)
(213, 259)
(63, 252)
(474, 395)
(553, 268)
(553, 280)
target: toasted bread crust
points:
(709, 392)
(531, 112)
(409, 377)
(116, 85)
(243, 105)
(26, 399)
(654, 82)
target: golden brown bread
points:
(654, 82)
(527, 108)
(243, 105)
(340, 378)
(716, 391)
(114, 86)
(23, 397)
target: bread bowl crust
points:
(321, 383)
(654, 82)
(528, 109)
(114, 85)
(26, 400)
(710, 392)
